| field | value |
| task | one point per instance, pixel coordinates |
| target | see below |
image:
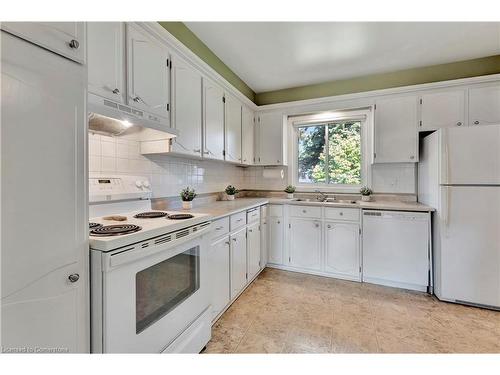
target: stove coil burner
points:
(114, 230)
(150, 215)
(180, 216)
(94, 225)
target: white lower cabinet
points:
(263, 236)
(305, 243)
(238, 262)
(342, 256)
(253, 249)
(275, 240)
(220, 265)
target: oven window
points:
(160, 288)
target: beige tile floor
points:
(287, 312)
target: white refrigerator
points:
(459, 175)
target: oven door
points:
(149, 300)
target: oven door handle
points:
(127, 255)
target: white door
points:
(233, 129)
(442, 109)
(106, 59)
(396, 137)
(263, 236)
(253, 249)
(305, 243)
(484, 105)
(471, 155)
(186, 107)
(213, 110)
(148, 70)
(270, 138)
(342, 249)
(43, 111)
(220, 276)
(247, 136)
(275, 244)
(470, 244)
(238, 262)
(64, 38)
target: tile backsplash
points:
(169, 174)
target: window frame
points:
(362, 115)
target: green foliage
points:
(290, 189)
(231, 190)
(365, 190)
(344, 154)
(188, 194)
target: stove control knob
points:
(138, 184)
(146, 184)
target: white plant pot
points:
(366, 198)
(187, 205)
(230, 197)
(289, 195)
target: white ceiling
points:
(277, 55)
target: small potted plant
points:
(187, 196)
(230, 192)
(366, 194)
(289, 190)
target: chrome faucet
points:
(321, 197)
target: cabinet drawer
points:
(305, 211)
(238, 220)
(350, 214)
(221, 227)
(253, 215)
(275, 210)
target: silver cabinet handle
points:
(116, 91)
(197, 150)
(74, 44)
(459, 123)
(329, 226)
(206, 152)
(341, 213)
(74, 277)
(234, 239)
(279, 222)
(227, 243)
(412, 157)
(219, 228)
(304, 211)
(316, 225)
(137, 99)
(238, 220)
(250, 230)
(476, 122)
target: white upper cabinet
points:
(484, 105)
(342, 250)
(396, 138)
(442, 109)
(305, 243)
(148, 85)
(106, 59)
(233, 129)
(213, 115)
(186, 107)
(247, 136)
(64, 38)
(271, 138)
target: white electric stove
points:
(149, 271)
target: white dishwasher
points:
(396, 249)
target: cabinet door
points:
(41, 307)
(442, 110)
(263, 236)
(484, 105)
(270, 139)
(275, 244)
(247, 136)
(253, 249)
(233, 129)
(106, 59)
(342, 249)
(396, 135)
(64, 38)
(238, 262)
(148, 73)
(186, 107)
(219, 258)
(305, 243)
(213, 110)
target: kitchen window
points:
(330, 154)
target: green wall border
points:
(191, 41)
(434, 73)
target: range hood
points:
(112, 118)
